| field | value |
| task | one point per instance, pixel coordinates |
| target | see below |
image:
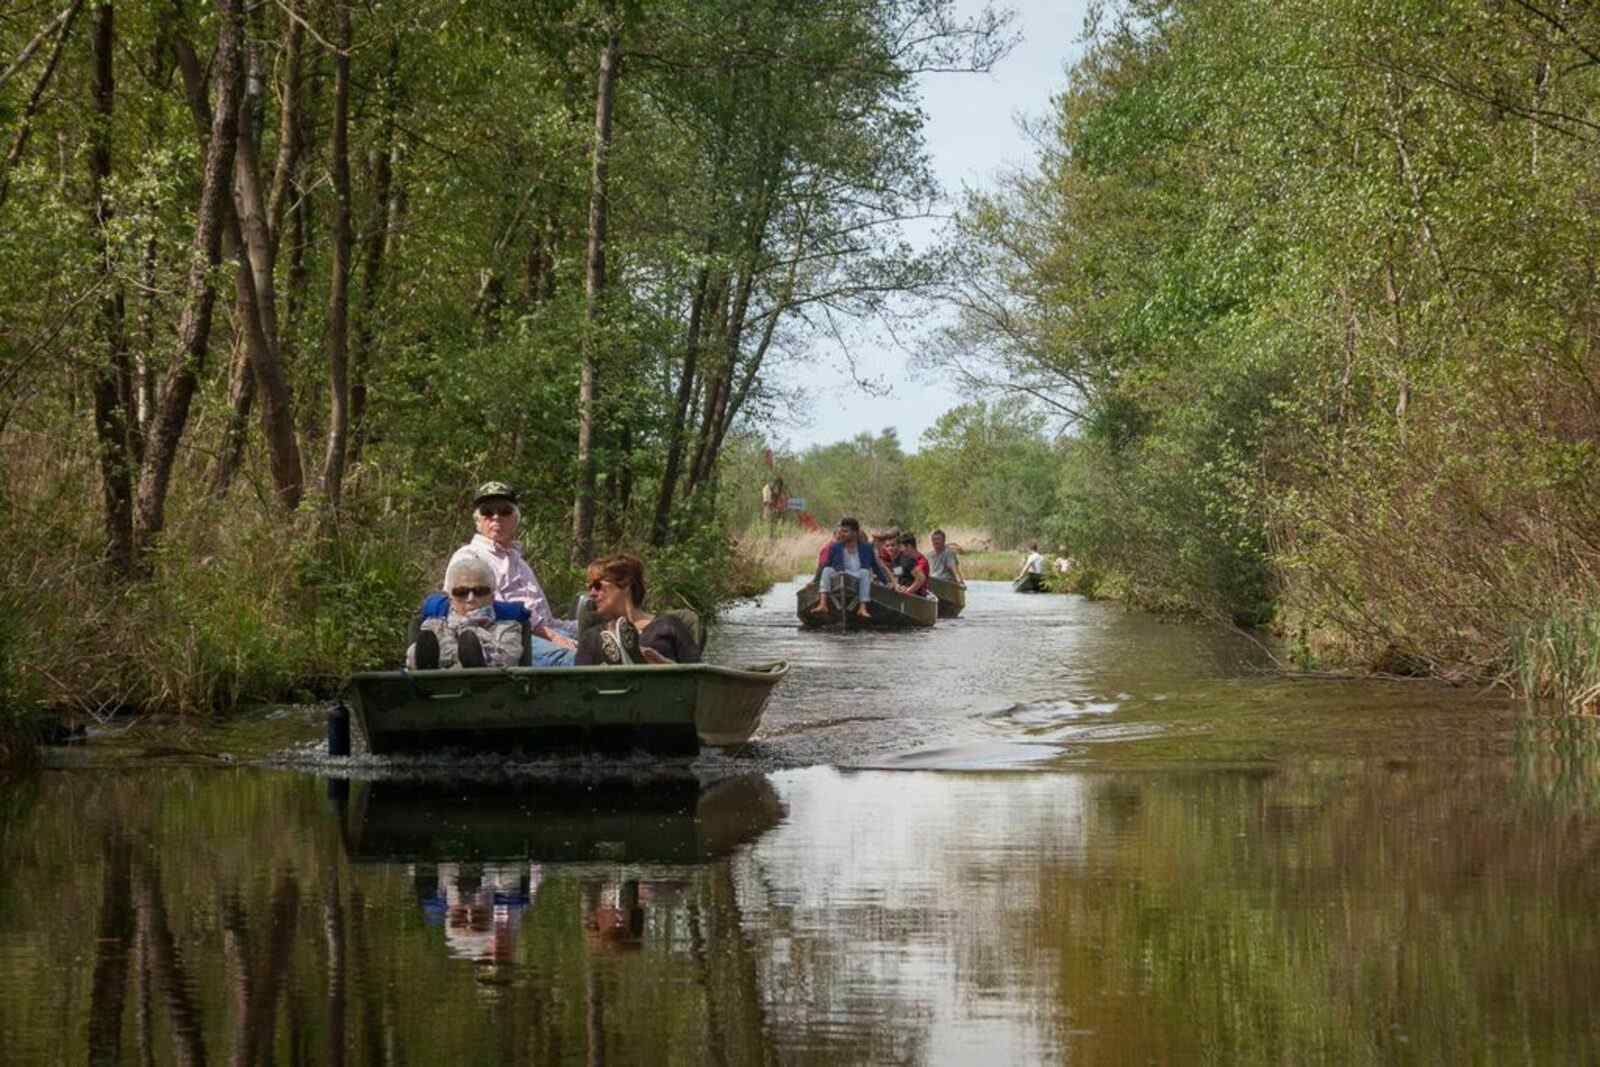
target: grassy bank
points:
(246, 604)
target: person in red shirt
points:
(910, 567)
(827, 547)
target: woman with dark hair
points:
(630, 634)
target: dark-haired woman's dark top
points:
(667, 634)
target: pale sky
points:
(972, 135)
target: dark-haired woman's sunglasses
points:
(496, 511)
(461, 592)
(595, 585)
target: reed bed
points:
(1558, 660)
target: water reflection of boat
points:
(639, 863)
(669, 709)
(888, 609)
(648, 819)
(952, 596)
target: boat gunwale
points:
(769, 671)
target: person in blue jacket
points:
(852, 556)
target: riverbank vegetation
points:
(1293, 324)
(1314, 284)
(282, 283)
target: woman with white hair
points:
(471, 633)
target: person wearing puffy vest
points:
(465, 626)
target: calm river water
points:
(1049, 831)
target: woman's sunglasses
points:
(461, 592)
(594, 586)
(496, 511)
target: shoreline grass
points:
(1558, 660)
(784, 555)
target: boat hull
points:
(659, 818)
(889, 609)
(1028, 583)
(669, 709)
(952, 596)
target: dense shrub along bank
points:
(1315, 282)
(245, 603)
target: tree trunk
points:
(32, 46)
(113, 385)
(731, 406)
(594, 291)
(194, 329)
(710, 386)
(241, 399)
(290, 142)
(301, 223)
(19, 140)
(257, 301)
(339, 288)
(660, 527)
(377, 243)
(113, 949)
(735, 338)
(150, 312)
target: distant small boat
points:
(889, 608)
(1028, 583)
(668, 709)
(952, 596)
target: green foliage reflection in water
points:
(271, 911)
(1318, 915)
(1348, 910)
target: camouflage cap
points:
(491, 490)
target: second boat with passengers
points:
(887, 608)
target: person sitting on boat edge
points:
(630, 634)
(465, 626)
(910, 567)
(944, 563)
(852, 557)
(1034, 564)
(496, 514)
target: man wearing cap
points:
(494, 508)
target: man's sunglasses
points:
(496, 511)
(461, 592)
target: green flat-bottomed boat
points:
(952, 596)
(888, 609)
(668, 709)
(1028, 583)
